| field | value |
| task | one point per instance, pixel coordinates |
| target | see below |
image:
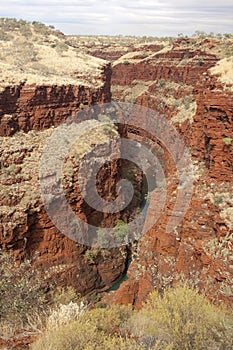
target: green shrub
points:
(178, 319)
(91, 255)
(8, 24)
(200, 61)
(103, 237)
(218, 201)
(21, 292)
(64, 295)
(228, 35)
(25, 30)
(109, 320)
(61, 48)
(126, 63)
(121, 231)
(82, 336)
(162, 82)
(186, 101)
(5, 36)
(98, 329)
(184, 319)
(40, 28)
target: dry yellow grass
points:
(45, 59)
(132, 57)
(130, 94)
(224, 70)
(224, 201)
(185, 113)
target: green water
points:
(123, 279)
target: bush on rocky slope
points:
(179, 319)
(21, 292)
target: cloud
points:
(134, 17)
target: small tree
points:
(21, 292)
(121, 232)
(91, 255)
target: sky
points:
(126, 17)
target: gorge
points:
(178, 80)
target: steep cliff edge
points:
(37, 107)
(180, 85)
(43, 82)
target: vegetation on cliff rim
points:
(38, 54)
(178, 319)
(224, 71)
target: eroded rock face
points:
(31, 107)
(162, 67)
(29, 232)
(212, 125)
(199, 249)
(27, 114)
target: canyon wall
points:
(31, 107)
(28, 114)
(199, 250)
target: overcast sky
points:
(127, 17)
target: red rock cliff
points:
(199, 249)
(26, 107)
(25, 227)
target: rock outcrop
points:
(31, 107)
